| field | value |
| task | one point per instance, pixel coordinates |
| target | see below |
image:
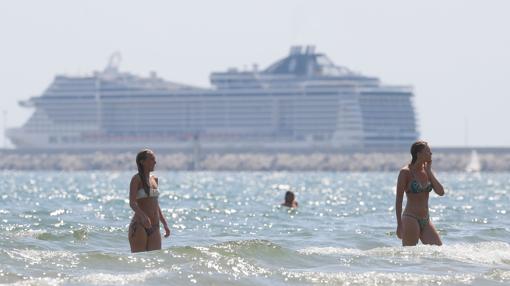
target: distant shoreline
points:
(491, 159)
(440, 149)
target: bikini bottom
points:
(423, 222)
(148, 231)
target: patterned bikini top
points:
(416, 186)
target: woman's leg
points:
(429, 235)
(137, 237)
(154, 240)
(410, 231)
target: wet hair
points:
(289, 197)
(140, 157)
(416, 148)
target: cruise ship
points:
(303, 102)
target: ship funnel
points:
(298, 50)
(113, 63)
(295, 50)
(310, 50)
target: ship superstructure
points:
(302, 102)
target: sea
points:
(228, 228)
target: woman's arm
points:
(164, 222)
(160, 213)
(438, 188)
(401, 186)
(161, 217)
(133, 188)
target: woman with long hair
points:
(417, 180)
(144, 232)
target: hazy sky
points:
(456, 54)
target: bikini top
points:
(141, 194)
(416, 186)
(153, 193)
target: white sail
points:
(474, 163)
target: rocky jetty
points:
(359, 162)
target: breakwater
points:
(442, 161)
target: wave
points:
(38, 256)
(233, 258)
(173, 277)
(260, 261)
(80, 234)
(101, 278)
(485, 253)
(378, 278)
(119, 278)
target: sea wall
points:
(247, 161)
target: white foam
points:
(235, 266)
(119, 279)
(57, 212)
(41, 281)
(487, 253)
(331, 251)
(482, 253)
(42, 256)
(377, 278)
(498, 275)
(98, 279)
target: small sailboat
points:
(474, 165)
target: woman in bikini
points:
(144, 232)
(417, 181)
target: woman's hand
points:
(146, 221)
(399, 231)
(438, 188)
(167, 230)
(428, 167)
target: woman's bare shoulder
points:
(135, 178)
(404, 171)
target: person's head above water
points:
(145, 162)
(289, 197)
(290, 200)
(420, 152)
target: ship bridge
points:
(302, 67)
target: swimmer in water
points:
(290, 200)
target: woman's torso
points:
(149, 205)
(417, 202)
